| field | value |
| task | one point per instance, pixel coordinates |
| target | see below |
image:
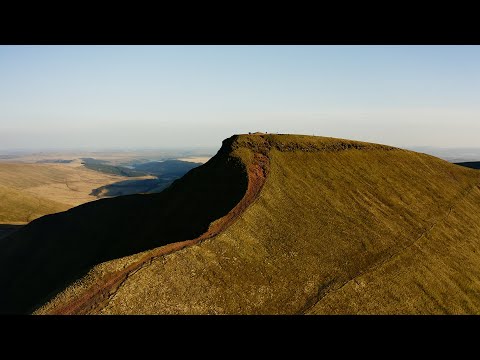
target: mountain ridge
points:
(106, 229)
(322, 213)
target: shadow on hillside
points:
(129, 187)
(7, 229)
(470, 164)
(43, 257)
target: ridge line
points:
(100, 296)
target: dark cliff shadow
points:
(7, 229)
(43, 257)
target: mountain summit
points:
(272, 224)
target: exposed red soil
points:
(99, 294)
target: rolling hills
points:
(166, 169)
(18, 207)
(31, 190)
(272, 224)
(156, 176)
(28, 191)
(102, 166)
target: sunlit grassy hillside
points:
(324, 226)
(338, 227)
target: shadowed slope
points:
(56, 249)
(331, 212)
(97, 294)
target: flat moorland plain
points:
(114, 158)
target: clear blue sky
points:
(164, 96)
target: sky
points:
(102, 97)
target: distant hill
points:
(54, 161)
(31, 190)
(168, 168)
(272, 224)
(165, 172)
(18, 207)
(470, 164)
(101, 166)
(28, 191)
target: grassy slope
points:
(328, 213)
(26, 176)
(17, 207)
(438, 274)
(42, 187)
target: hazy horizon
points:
(164, 97)
(452, 154)
(195, 148)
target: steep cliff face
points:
(323, 226)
